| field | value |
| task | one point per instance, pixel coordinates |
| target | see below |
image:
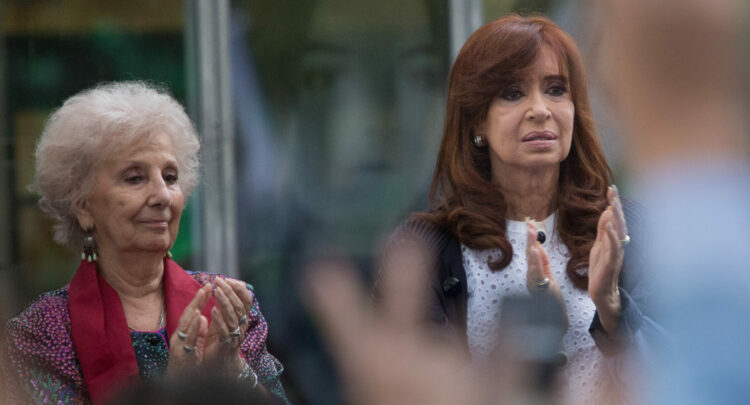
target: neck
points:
(132, 274)
(528, 193)
(137, 278)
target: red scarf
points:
(100, 331)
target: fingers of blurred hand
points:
(715, 14)
(337, 297)
(404, 284)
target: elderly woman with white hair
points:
(114, 166)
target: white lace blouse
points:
(584, 377)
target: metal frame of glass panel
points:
(210, 105)
(5, 185)
(465, 17)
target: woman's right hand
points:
(186, 344)
(538, 265)
(229, 323)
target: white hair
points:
(92, 126)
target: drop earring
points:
(89, 248)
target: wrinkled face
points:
(135, 202)
(529, 125)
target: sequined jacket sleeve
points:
(40, 364)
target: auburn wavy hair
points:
(463, 198)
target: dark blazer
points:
(446, 306)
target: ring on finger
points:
(543, 285)
(227, 340)
(235, 332)
(243, 319)
(189, 349)
(181, 335)
(625, 241)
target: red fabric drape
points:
(100, 331)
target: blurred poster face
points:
(361, 118)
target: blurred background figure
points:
(354, 116)
(340, 145)
(675, 71)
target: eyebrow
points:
(136, 164)
(551, 78)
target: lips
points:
(158, 223)
(539, 136)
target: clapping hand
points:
(186, 344)
(197, 343)
(605, 261)
(539, 275)
(228, 324)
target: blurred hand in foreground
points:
(385, 356)
(673, 71)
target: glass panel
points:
(51, 50)
(497, 8)
(339, 118)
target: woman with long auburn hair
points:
(522, 204)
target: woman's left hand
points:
(229, 322)
(605, 261)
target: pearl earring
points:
(89, 248)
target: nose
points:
(159, 196)
(366, 105)
(538, 109)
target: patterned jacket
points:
(41, 365)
